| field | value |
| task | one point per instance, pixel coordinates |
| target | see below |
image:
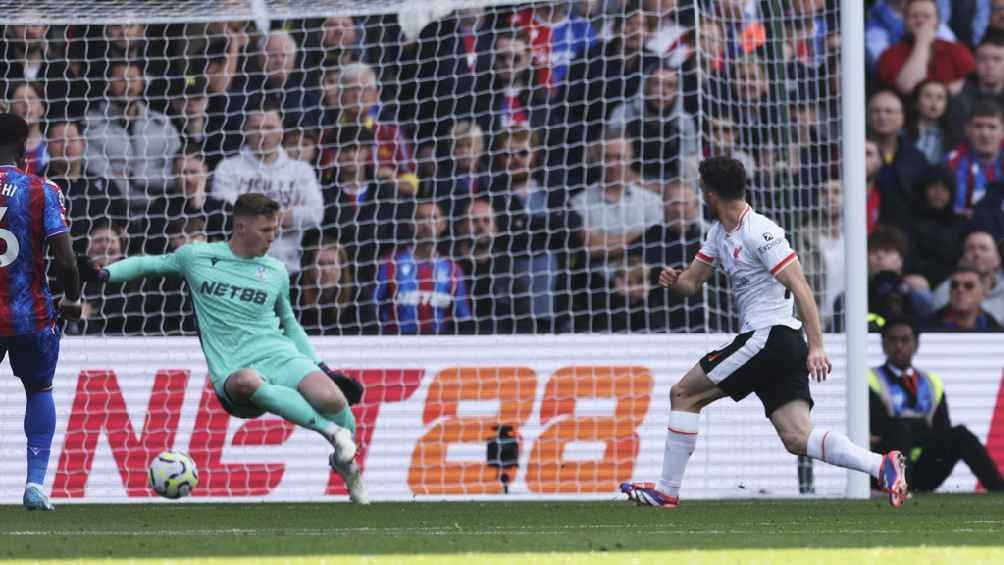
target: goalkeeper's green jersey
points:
(239, 303)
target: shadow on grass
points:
(270, 529)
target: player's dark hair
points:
(252, 204)
(889, 238)
(13, 134)
(907, 321)
(724, 176)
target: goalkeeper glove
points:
(351, 388)
(88, 272)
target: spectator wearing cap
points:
(936, 231)
(986, 82)
(909, 412)
(920, 54)
(964, 312)
(980, 253)
(979, 160)
(903, 165)
(128, 142)
(189, 112)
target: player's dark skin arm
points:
(65, 264)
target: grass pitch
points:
(928, 529)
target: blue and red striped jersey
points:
(31, 211)
(420, 297)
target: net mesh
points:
(558, 140)
(492, 169)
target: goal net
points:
(451, 169)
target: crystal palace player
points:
(769, 357)
(241, 297)
(32, 217)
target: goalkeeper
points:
(241, 297)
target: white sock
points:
(680, 442)
(838, 449)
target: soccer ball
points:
(173, 475)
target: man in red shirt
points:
(921, 55)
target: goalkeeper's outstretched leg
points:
(315, 403)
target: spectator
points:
(996, 16)
(324, 293)
(24, 52)
(189, 113)
(263, 166)
(616, 211)
(744, 30)
(625, 306)
(720, 140)
(500, 301)
(418, 291)
(980, 253)
(608, 75)
(89, 198)
(339, 42)
(557, 37)
(964, 312)
(909, 412)
(988, 214)
(451, 53)
(884, 27)
(903, 165)
(936, 232)
(530, 216)
(986, 82)
(277, 77)
(301, 145)
(930, 121)
(188, 202)
(920, 54)
(820, 245)
(754, 109)
(670, 39)
(25, 101)
(111, 308)
(873, 197)
(360, 210)
(508, 95)
(977, 161)
(663, 136)
(674, 242)
(352, 98)
(128, 142)
(227, 97)
(464, 175)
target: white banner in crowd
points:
(589, 411)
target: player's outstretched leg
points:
(322, 393)
(687, 398)
(794, 426)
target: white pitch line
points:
(510, 530)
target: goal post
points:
(533, 320)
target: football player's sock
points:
(39, 425)
(838, 449)
(291, 405)
(345, 419)
(680, 442)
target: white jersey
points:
(751, 255)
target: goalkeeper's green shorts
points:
(281, 370)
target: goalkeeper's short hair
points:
(252, 204)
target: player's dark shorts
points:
(33, 357)
(769, 362)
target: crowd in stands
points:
(526, 167)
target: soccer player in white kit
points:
(769, 357)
